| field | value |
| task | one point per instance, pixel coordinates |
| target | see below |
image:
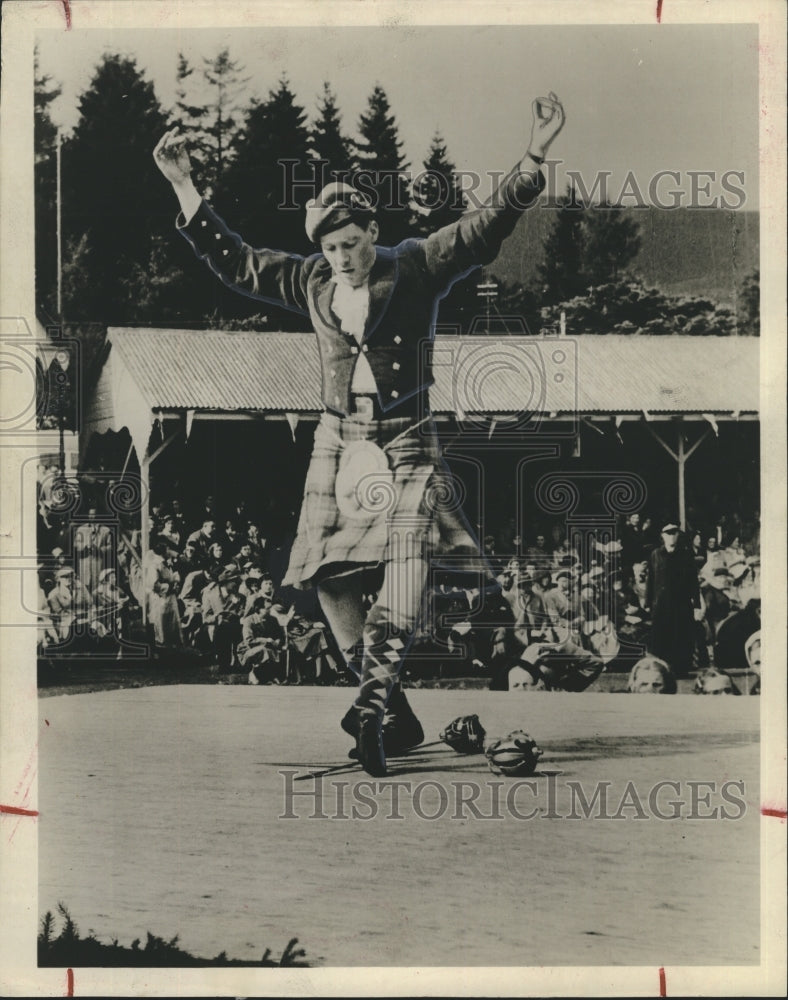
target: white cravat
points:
(351, 306)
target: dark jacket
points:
(405, 284)
(672, 581)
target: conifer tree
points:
(329, 146)
(382, 167)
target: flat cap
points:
(333, 208)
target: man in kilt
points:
(375, 489)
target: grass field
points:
(161, 812)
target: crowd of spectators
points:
(202, 586)
(559, 618)
(553, 619)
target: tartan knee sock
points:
(384, 650)
(354, 657)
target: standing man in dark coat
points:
(376, 462)
(673, 595)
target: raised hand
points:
(172, 158)
(548, 120)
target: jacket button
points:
(354, 350)
(364, 348)
(396, 366)
(225, 252)
(398, 339)
(217, 236)
(394, 394)
(203, 223)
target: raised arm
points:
(476, 238)
(269, 275)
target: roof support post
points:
(144, 530)
(681, 457)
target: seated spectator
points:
(232, 536)
(569, 664)
(733, 633)
(714, 681)
(752, 652)
(509, 581)
(739, 572)
(537, 553)
(640, 582)
(632, 541)
(257, 542)
(244, 560)
(191, 604)
(250, 587)
(651, 675)
(714, 592)
(308, 654)
(520, 679)
(70, 604)
(179, 521)
(262, 643)
(189, 561)
(216, 562)
(170, 533)
(554, 598)
(222, 606)
(698, 550)
(749, 588)
(204, 538)
(715, 558)
(111, 602)
(161, 588)
(46, 632)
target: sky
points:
(639, 98)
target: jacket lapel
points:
(382, 279)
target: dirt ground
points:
(161, 810)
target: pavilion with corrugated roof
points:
(158, 382)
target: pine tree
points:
(438, 198)
(328, 145)
(192, 120)
(561, 273)
(114, 198)
(612, 241)
(265, 188)
(45, 191)
(382, 167)
(223, 114)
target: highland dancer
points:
(369, 494)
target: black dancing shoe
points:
(369, 740)
(402, 731)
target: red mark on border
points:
(659, 21)
(663, 989)
(777, 813)
(17, 811)
(67, 12)
(69, 982)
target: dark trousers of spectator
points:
(673, 638)
(226, 637)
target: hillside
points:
(685, 251)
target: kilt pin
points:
(376, 475)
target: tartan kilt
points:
(377, 492)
